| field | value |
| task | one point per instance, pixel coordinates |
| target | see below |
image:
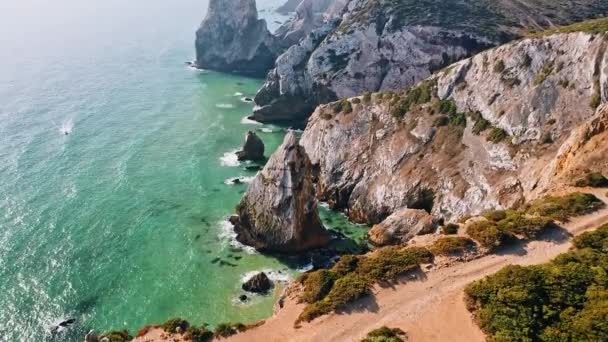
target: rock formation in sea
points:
(402, 226)
(232, 39)
(278, 213)
(389, 45)
(253, 148)
(259, 283)
(492, 131)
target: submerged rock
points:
(401, 227)
(259, 283)
(233, 39)
(253, 149)
(279, 211)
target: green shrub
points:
(342, 106)
(596, 100)
(448, 107)
(171, 325)
(593, 179)
(495, 215)
(367, 97)
(481, 124)
(195, 334)
(487, 234)
(317, 285)
(450, 228)
(346, 264)
(384, 334)
(458, 119)
(499, 67)
(523, 225)
(354, 276)
(597, 239)
(390, 262)
(564, 300)
(229, 329)
(544, 72)
(117, 336)
(497, 135)
(452, 245)
(564, 207)
(441, 121)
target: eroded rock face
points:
(253, 149)
(233, 39)
(523, 107)
(279, 211)
(401, 227)
(259, 283)
(388, 45)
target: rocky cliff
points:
(279, 211)
(391, 44)
(488, 132)
(233, 39)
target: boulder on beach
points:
(253, 149)
(259, 283)
(401, 227)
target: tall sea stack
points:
(233, 39)
(279, 211)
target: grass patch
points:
(589, 26)
(562, 208)
(593, 179)
(384, 334)
(452, 245)
(420, 94)
(564, 300)
(317, 285)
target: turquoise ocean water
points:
(122, 222)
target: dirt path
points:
(430, 308)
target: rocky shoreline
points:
(413, 124)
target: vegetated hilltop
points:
(392, 44)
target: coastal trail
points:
(431, 306)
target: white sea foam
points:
(237, 94)
(224, 105)
(267, 130)
(230, 159)
(243, 179)
(66, 127)
(246, 99)
(247, 121)
(278, 276)
(228, 237)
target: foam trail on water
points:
(224, 105)
(230, 159)
(228, 236)
(247, 121)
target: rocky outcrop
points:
(309, 15)
(233, 39)
(259, 283)
(401, 227)
(279, 211)
(91, 336)
(389, 45)
(478, 135)
(253, 149)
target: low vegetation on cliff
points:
(353, 276)
(385, 334)
(564, 300)
(501, 226)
